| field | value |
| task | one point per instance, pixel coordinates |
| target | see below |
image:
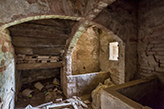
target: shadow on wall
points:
(91, 54)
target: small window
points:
(113, 51)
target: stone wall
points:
(22, 9)
(85, 57)
(150, 37)
(84, 84)
(7, 71)
(121, 18)
(39, 74)
(116, 68)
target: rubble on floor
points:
(48, 95)
(96, 93)
(40, 92)
(71, 103)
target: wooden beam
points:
(47, 51)
(28, 51)
(32, 66)
(36, 42)
(54, 37)
(39, 51)
(38, 33)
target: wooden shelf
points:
(31, 66)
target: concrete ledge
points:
(110, 97)
(84, 83)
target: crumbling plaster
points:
(15, 12)
(150, 38)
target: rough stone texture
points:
(91, 54)
(116, 68)
(96, 93)
(41, 37)
(35, 75)
(85, 57)
(15, 12)
(121, 18)
(128, 95)
(150, 38)
(7, 72)
(84, 83)
(139, 93)
(21, 9)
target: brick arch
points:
(4, 26)
(81, 27)
(67, 77)
(121, 73)
(61, 11)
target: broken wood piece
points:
(53, 61)
(58, 100)
(42, 105)
(87, 102)
(79, 100)
(28, 57)
(44, 61)
(38, 65)
(43, 57)
(55, 89)
(58, 105)
(74, 105)
(20, 56)
(54, 57)
(60, 92)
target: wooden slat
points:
(47, 51)
(37, 33)
(39, 51)
(28, 51)
(35, 42)
(32, 66)
(54, 37)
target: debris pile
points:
(50, 96)
(37, 93)
(96, 94)
(71, 103)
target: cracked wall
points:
(121, 18)
(85, 57)
(7, 71)
(150, 38)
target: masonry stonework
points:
(7, 71)
(121, 18)
(150, 38)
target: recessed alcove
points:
(39, 48)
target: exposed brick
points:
(4, 49)
(2, 62)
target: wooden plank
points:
(38, 66)
(35, 42)
(28, 51)
(39, 51)
(34, 25)
(47, 51)
(38, 33)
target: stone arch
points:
(4, 26)
(76, 36)
(7, 51)
(121, 68)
